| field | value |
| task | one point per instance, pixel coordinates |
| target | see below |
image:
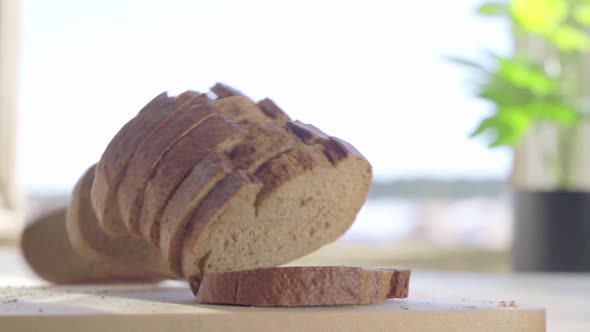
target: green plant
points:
(546, 84)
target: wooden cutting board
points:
(171, 307)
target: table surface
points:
(566, 297)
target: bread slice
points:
(215, 133)
(191, 191)
(151, 150)
(295, 203)
(115, 158)
(90, 241)
(46, 249)
(303, 286)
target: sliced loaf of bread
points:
(303, 286)
(90, 241)
(258, 191)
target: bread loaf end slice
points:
(303, 286)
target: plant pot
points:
(551, 231)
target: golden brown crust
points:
(303, 286)
(90, 241)
(148, 154)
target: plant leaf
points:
(550, 111)
(503, 93)
(464, 62)
(539, 16)
(582, 14)
(522, 74)
(486, 124)
(568, 39)
(493, 9)
(507, 127)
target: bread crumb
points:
(11, 301)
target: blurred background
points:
(387, 76)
